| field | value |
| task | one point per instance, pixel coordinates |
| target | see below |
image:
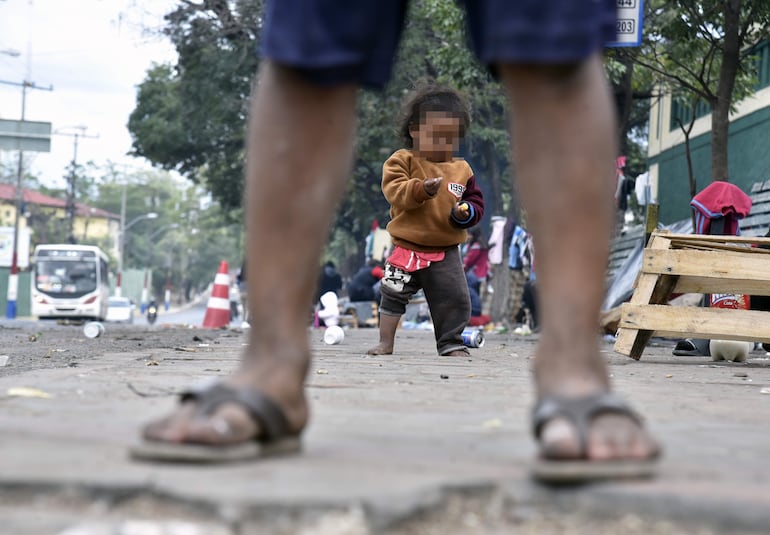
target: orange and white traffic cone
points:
(218, 308)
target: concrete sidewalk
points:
(395, 442)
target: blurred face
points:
(437, 136)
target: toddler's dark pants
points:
(446, 292)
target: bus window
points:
(65, 277)
(83, 276)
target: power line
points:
(72, 176)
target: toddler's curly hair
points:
(430, 96)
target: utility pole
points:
(72, 177)
(121, 243)
(13, 277)
(118, 172)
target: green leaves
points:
(702, 50)
(191, 117)
(156, 123)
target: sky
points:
(93, 54)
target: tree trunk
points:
(626, 104)
(688, 153)
(720, 109)
(494, 205)
(691, 175)
(720, 124)
(500, 283)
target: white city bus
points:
(70, 282)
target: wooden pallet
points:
(690, 263)
(755, 224)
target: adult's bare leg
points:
(299, 157)
(564, 147)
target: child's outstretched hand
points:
(461, 210)
(431, 185)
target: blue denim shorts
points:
(355, 41)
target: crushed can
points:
(473, 337)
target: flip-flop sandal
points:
(580, 412)
(691, 348)
(275, 439)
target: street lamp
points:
(122, 242)
(163, 229)
(143, 305)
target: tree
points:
(453, 62)
(433, 48)
(191, 117)
(9, 170)
(686, 131)
(80, 189)
(632, 89)
(185, 242)
(47, 224)
(700, 50)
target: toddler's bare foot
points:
(381, 349)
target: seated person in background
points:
(329, 281)
(476, 260)
(477, 318)
(329, 313)
(528, 310)
(364, 286)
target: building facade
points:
(748, 145)
(45, 219)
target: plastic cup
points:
(93, 329)
(735, 350)
(334, 335)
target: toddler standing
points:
(433, 198)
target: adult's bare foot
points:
(610, 437)
(589, 438)
(585, 432)
(231, 422)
